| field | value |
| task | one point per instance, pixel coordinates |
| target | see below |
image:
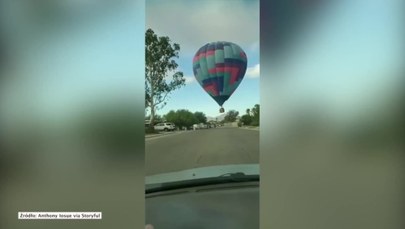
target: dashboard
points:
(233, 206)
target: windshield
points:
(206, 94)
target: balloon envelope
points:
(219, 68)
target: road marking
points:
(164, 135)
(255, 129)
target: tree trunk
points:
(152, 108)
(152, 118)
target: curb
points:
(160, 134)
(152, 135)
(251, 128)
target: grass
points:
(150, 131)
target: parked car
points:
(203, 126)
(165, 126)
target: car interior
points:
(230, 205)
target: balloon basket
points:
(222, 110)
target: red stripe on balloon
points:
(231, 70)
(212, 70)
(211, 88)
(210, 52)
(220, 69)
(202, 55)
(198, 57)
(234, 75)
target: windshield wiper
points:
(222, 179)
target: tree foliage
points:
(160, 61)
(255, 115)
(252, 116)
(246, 119)
(200, 116)
(181, 118)
(231, 116)
(158, 118)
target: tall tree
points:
(256, 115)
(248, 111)
(231, 116)
(181, 118)
(246, 119)
(200, 116)
(160, 62)
(171, 116)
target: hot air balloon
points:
(219, 67)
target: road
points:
(207, 147)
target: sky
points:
(102, 55)
(192, 24)
(87, 54)
(347, 60)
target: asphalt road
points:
(207, 147)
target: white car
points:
(165, 126)
(203, 126)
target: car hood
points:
(203, 172)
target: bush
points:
(246, 119)
(149, 130)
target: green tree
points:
(171, 116)
(160, 61)
(246, 119)
(231, 116)
(248, 111)
(256, 115)
(200, 116)
(158, 118)
(181, 118)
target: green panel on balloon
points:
(219, 56)
(203, 67)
